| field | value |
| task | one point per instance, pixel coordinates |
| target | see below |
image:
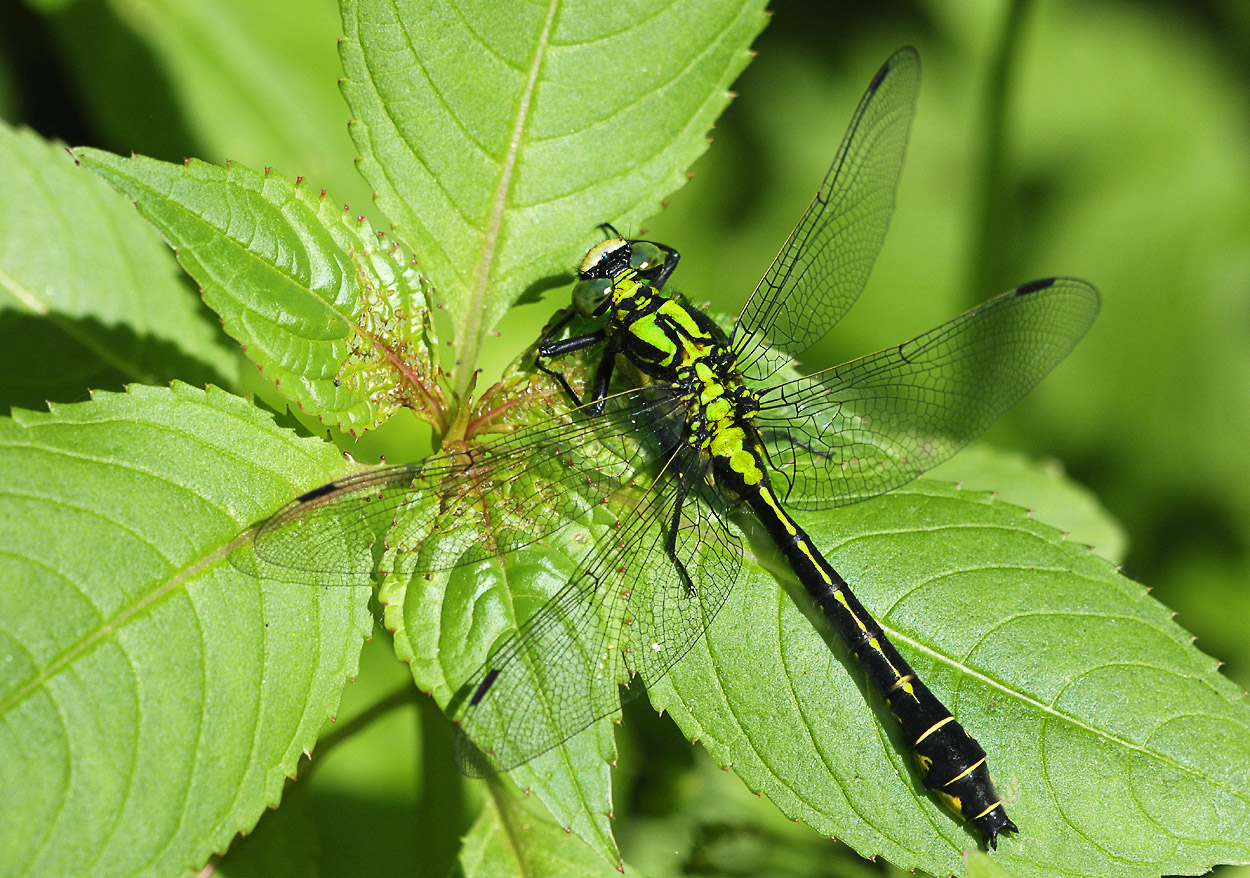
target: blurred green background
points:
(1107, 140)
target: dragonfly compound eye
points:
(645, 256)
(590, 295)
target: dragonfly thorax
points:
(669, 340)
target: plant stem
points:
(995, 232)
(403, 695)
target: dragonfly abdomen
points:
(950, 761)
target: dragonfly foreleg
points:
(549, 349)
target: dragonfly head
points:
(606, 265)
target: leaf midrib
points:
(469, 333)
(918, 647)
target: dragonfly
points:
(680, 427)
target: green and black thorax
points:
(698, 419)
(692, 362)
(673, 344)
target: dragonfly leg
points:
(670, 544)
(550, 349)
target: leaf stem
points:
(469, 332)
(992, 248)
(399, 697)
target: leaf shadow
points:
(534, 292)
(62, 359)
(128, 89)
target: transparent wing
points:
(873, 424)
(824, 264)
(460, 508)
(625, 613)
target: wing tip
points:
(904, 56)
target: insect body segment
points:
(708, 421)
(675, 344)
(950, 761)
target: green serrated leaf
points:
(1042, 489)
(327, 309)
(219, 79)
(154, 701)
(1112, 739)
(88, 296)
(498, 136)
(510, 840)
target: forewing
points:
(460, 508)
(873, 424)
(625, 613)
(824, 264)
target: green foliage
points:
(491, 137)
(1045, 491)
(348, 338)
(224, 80)
(87, 309)
(154, 699)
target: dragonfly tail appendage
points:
(950, 761)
